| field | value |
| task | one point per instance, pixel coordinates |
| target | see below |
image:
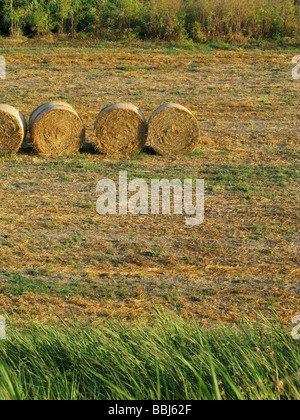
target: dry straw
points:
(13, 129)
(120, 129)
(173, 130)
(56, 130)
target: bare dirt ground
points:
(59, 257)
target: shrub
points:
(167, 19)
(123, 17)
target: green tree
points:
(38, 17)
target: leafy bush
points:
(121, 17)
(167, 19)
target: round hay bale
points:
(56, 130)
(44, 107)
(120, 129)
(173, 130)
(13, 129)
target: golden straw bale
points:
(120, 129)
(13, 129)
(173, 130)
(56, 130)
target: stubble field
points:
(58, 257)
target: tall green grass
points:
(170, 359)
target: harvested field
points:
(59, 257)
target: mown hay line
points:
(56, 130)
(120, 129)
(13, 129)
(173, 130)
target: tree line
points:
(199, 20)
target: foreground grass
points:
(171, 359)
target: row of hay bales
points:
(56, 129)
